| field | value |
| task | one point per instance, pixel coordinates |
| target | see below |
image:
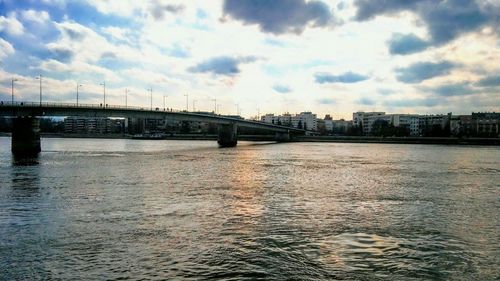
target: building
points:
(341, 126)
(328, 120)
(93, 125)
(414, 124)
(461, 125)
(360, 118)
(304, 120)
(485, 124)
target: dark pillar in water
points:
(26, 136)
(227, 135)
(282, 136)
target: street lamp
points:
(164, 97)
(151, 96)
(77, 87)
(103, 84)
(13, 80)
(126, 94)
(39, 77)
(194, 105)
(215, 105)
(187, 101)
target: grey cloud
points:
(448, 90)
(366, 101)
(327, 101)
(282, 89)
(421, 71)
(158, 9)
(109, 55)
(60, 53)
(222, 65)
(74, 33)
(490, 81)
(348, 77)
(368, 9)
(445, 19)
(385, 91)
(404, 44)
(280, 16)
(425, 102)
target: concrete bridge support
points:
(282, 136)
(227, 135)
(26, 136)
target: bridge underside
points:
(26, 132)
(227, 135)
(26, 136)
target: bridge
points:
(26, 132)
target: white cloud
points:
(35, 16)
(11, 25)
(117, 33)
(6, 49)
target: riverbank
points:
(403, 140)
(339, 139)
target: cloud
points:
(223, 65)
(39, 17)
(490, 81)
(348, 77)
(74, 31)
(282, 89)
(118, 33)
(6, 49)
(158, 9)
(404, 44)
(366, 101)
(327, 101)
(280, 16)
(419, 102)
(60, 52)
(421, 71)
(449, 90)
(11, 25)
(445, 19)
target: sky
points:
(259, 56)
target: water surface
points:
(137, 209)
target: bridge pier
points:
(282, 136)
(227, 135)
(26, 136)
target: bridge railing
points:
(82, 105)
(122, 107)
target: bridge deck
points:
(96, 110)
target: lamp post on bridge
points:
(103, 84)
(187, 101)
(194, 105)
(215, 105)
(13, 80)
(77, 87)
(39, 77)
(164, 98)
(126, 94)
(151, 96)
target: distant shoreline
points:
(402, 140)
(331, 139)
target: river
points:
(95, 209)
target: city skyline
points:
(327, 57)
